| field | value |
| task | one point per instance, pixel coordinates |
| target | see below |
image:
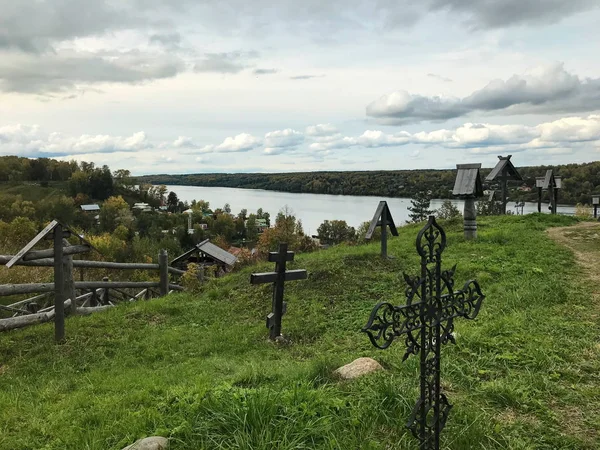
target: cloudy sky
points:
(182, 86)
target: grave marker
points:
(278, 278)
(468, 185)
(426, 322)
(503, 172)
(382, 218)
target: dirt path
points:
(584, 240)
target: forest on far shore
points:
(579, 182)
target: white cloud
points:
(280, 141)
(543, 90)
(243, 142)
(321, 130)
(26, 140)
(183, 142)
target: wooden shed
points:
(206, 254)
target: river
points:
(313, 209)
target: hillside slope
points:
(198, 368)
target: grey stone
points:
(149, 443)
(357, 368)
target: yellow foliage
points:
(583, 211)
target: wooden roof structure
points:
(504, 170)
(210, 250)
(468, 181)
(549, 180)
(41, 235)
(382, 209)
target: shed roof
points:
(504, 169)
(468, 180)
(91, 207)
(211, 250)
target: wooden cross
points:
(278, 278)
(426, 322)
(382, 218)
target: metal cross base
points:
(278, 278)
(426, 322)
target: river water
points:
(313, 209)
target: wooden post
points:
(104, 296)
(163, 267)
(278, 292)
(94, 298)
(384, 225)
(539, 199)
(59, 285)
(555, 201)
(69, 281)
(595, 211)
(470, 219)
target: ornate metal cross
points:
(278, 278)
(426, 322)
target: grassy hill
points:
(199, 369)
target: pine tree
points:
(419, 211)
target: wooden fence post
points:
(104, 297)
(69, 280)
(59, 285)
(163, 267)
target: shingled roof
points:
(210, 250)
(468, 181)
(504, 168)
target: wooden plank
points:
(29, 300)
(275, 256)
(163, 262)
(49, 253)
(23, 321)
(375, 220)
(32, 243)
(31, 288)
(271, 277)
(176, 287)
(114, 284)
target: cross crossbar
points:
(271, 277)
(276, 256)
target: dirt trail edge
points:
(582, 239)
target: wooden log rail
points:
(79, 263)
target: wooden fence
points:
(80, 297)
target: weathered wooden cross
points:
(278, 278)
(382, 218)
(426, 322)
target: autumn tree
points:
(112, 212)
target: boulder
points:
(357, 368)
(149, 443)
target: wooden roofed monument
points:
(551, 183)
(468, 186)
(504, 172)
(382, 218)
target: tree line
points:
(579, 182)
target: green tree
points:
(419, 209)
(335, 232)
(447, 211)
(111, 213)
(172, 202)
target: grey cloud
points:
(504, 13)
(264, 71)
(232, 62)
(62, 71)
(168, 40)
(305, 77)
(546, 90)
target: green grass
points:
(199, 369)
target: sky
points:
(183, 86)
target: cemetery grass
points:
(198, 368)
